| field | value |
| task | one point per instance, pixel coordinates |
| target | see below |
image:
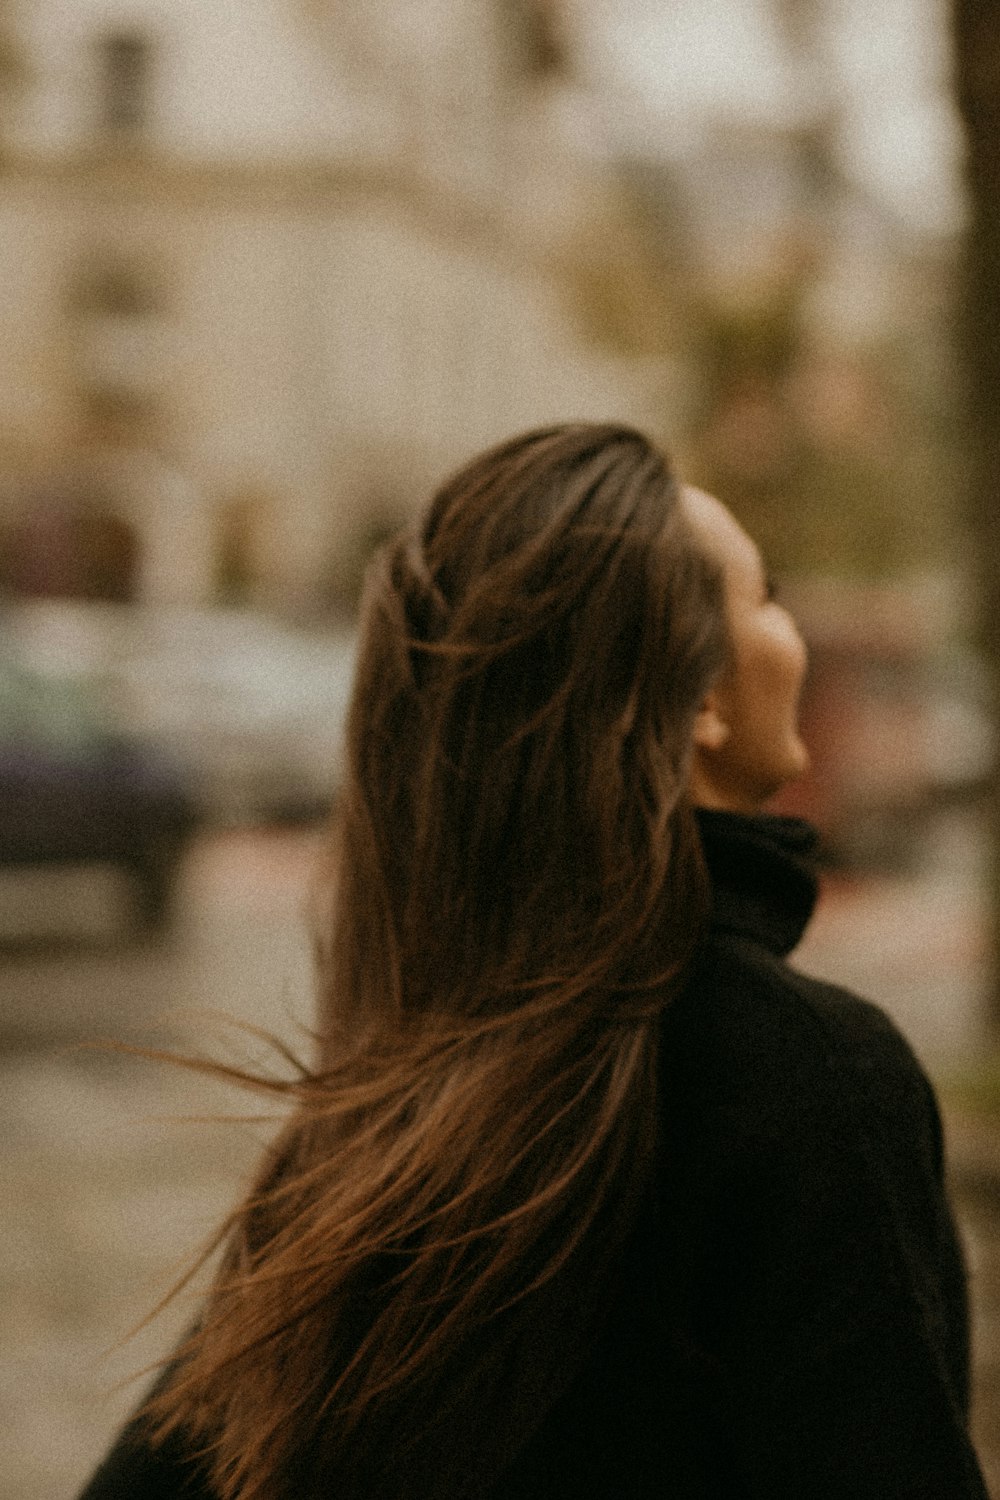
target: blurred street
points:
(112, 1190)
(115, 1183)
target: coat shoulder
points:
(762, 1050)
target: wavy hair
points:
(515, 890)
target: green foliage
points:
(762, 341)
(976, 1087)
(836, 459)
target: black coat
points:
(790, 1318)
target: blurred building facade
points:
(271, 267)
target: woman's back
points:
(790, 1317)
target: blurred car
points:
(250, 708)
(73, 791)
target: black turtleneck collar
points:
(764, 882)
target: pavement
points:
(117, 1176)
(916, 944)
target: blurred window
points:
(535, 39)
(117, 308)
(115, 289)
(114, 413)
(126, 63)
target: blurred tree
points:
(976, 27)
(801, 24)
(831, 454)
(626, 289)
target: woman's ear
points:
(710, 728)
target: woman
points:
(588, 1194)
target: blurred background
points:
(270, 268)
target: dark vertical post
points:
(976, 29)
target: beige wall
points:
(343, 316)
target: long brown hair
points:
(515, 891)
